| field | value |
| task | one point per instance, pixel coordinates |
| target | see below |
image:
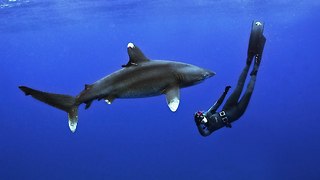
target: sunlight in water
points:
(12, 3)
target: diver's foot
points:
(255, 68)
(257, 59)
(227, 89)
(254, 72)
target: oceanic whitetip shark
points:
(140, 77)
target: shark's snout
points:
(208, 74)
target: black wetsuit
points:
(233, 109)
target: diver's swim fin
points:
(256, 46)
(260, 48)
(257, 40)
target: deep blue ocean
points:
(58, 46)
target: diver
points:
(234, 108)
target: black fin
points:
(136, 56)
(60, 101)
(260, 52)
(64, 102)
(257, 39)
(88, 104)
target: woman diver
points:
(233, 109)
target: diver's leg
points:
(255, 49)
(255, 67)
(234, 97)
(244, 101)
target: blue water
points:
(59, 46)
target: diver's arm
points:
(217, 104)
(203, 130)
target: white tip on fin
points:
(130, 45)
(73, 126)
(174, 104)
(173, 97)
(73, 119)
(108, 101)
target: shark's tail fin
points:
(64, 102)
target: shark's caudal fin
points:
(60, 101)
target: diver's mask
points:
(200, 117)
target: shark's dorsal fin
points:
(173, 97)
(136, 56)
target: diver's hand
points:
(199, 117)
(198, 121)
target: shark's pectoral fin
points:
(88, 104)
(109, 99)
(173, 97)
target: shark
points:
(141, 77)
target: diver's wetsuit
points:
(211, 120)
